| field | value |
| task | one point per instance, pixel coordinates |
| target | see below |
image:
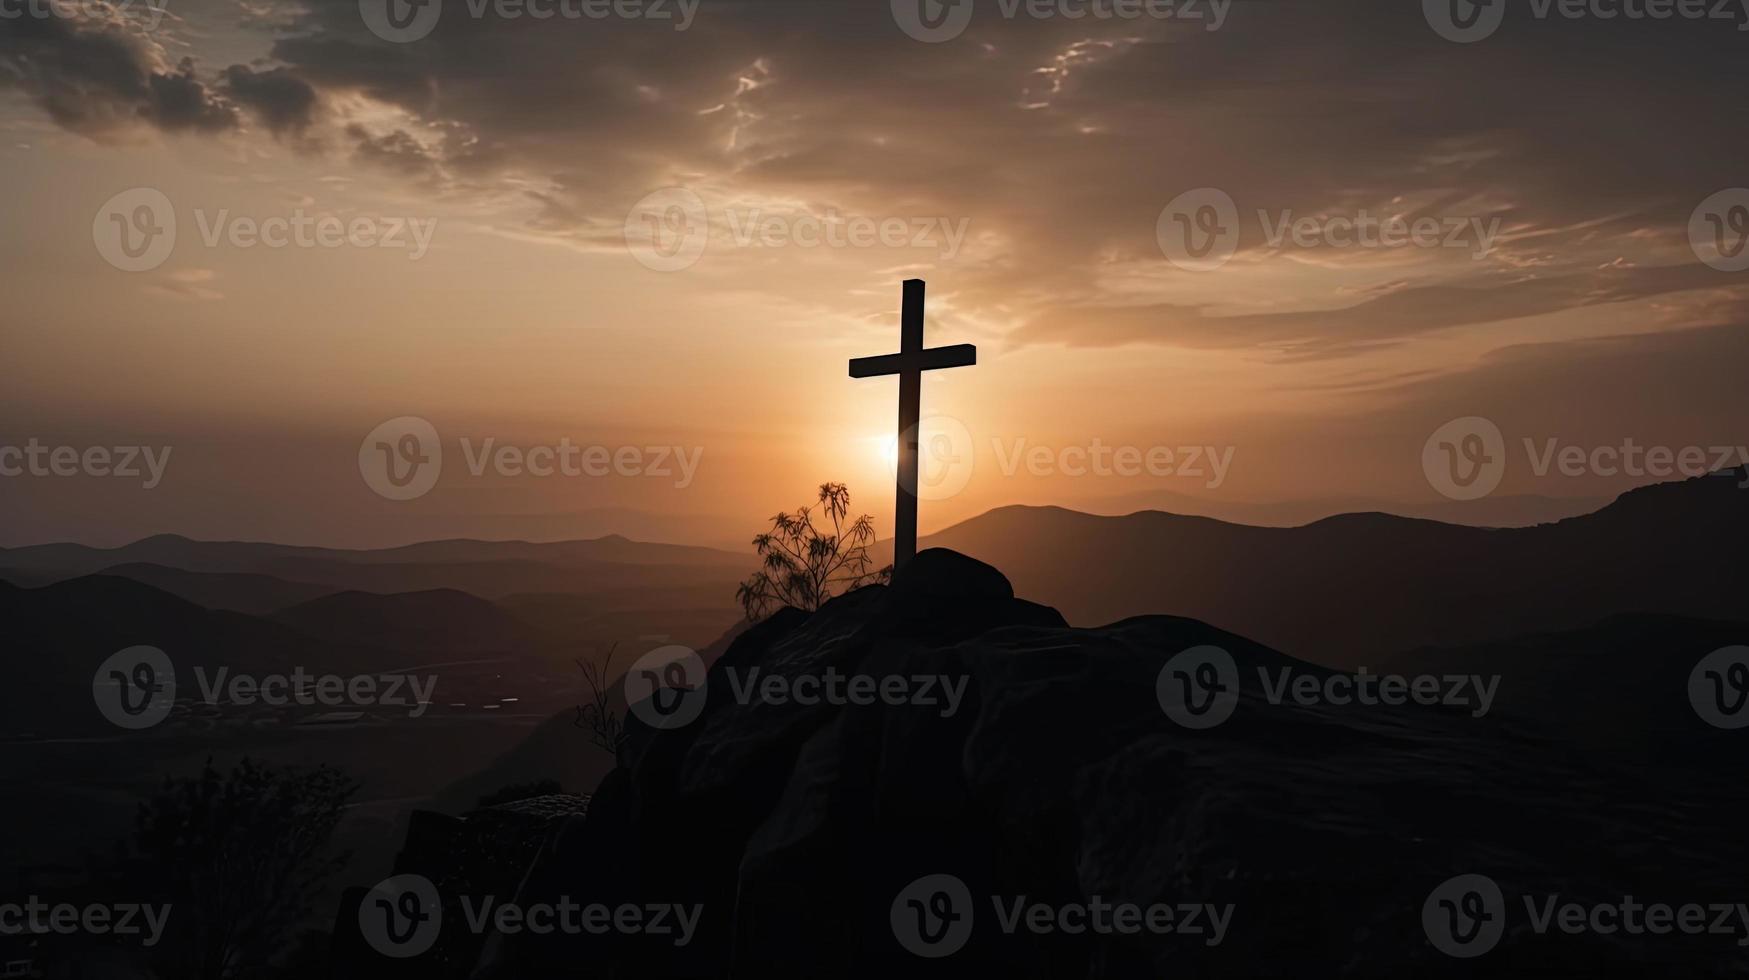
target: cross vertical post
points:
(910, 410)
(909, 364)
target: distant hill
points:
(434, 624)
(177, 551)
(1503, 510)
(611, 548)
(1351, 590)
(237, 591)
(58, 635)
(490, 569)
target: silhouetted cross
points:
(909, 364)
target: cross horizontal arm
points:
(929, 359)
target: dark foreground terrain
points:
(1101, 803)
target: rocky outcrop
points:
(835, 839)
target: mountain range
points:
(1353, 589)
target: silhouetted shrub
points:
(239, 857)
(806, 565)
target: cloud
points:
(286, 103)
(97, 78)
(1393, 316)
(187, 284)
(1059, 140)
(397, 152)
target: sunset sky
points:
(529, 149)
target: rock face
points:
(836, 837)
(486, 855)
